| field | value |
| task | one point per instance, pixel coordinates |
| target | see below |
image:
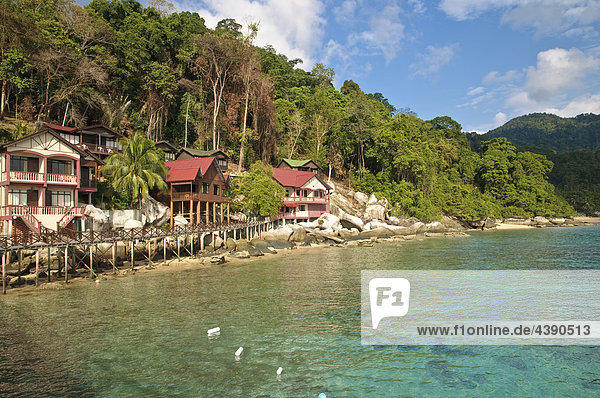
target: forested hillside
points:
(548, 131)
(166, 74)
(572, 144)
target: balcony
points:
(32, 176)
(15, 210)
(305, 199)
(301, 214)
(102, 149)
(88, 184)
(197, 196)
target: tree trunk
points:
(244, 129)
(187, 109)
(3, 100)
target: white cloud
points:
(500, 119)
(546, 16)
(558, 70)
(384, 34)
(476, 91)
(432, 61)
(345, 11)
(584, 104)
(417, 6)
(497, 77)
(292, 27)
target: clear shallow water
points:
(145, 335)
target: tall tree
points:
(138, 169)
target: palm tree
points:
(139, 168)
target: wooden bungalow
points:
(197, 190)
(190, 153)
(169, 150)
(307, 194)
(300, 165)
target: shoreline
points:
(187, 263)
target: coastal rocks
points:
(299, 235)
(348, 233)
(241, 244)
(96, 219)
(180, 220)
(282, 233)
(328, 221)
(349, 221)
(217, 259)
(230, 245)
(539, 220)
(132, 224)
(118, 218)
(339, 202)
(517, 220)
(156, 213)
(374, 212)
(240, 254)
(328, 236)
(361, 198)
(217, 243)
(558, 220)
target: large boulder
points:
(96, 219)
(131, 224)
(180, 220)
(375, 212)
(376, 233)
(281, 233)
(372, 200)
(339, 202)
(361, 198)
(540, 220)
(349, 221)
(156, 213)
(299, 235)
(557, 220)
(328, 221)
(118, 218)
(348, 233)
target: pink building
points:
(43, 180)
(307, 194)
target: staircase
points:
(71, 213)
(33, 223)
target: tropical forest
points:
(163, 73)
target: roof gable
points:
(189, 169)
(201, 153)
(294, 178)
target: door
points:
(32, 198)
(33, 165)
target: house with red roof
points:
(198, 190)
(44, 179)
(307, 194)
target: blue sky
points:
(481, 62)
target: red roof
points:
(292, 178)
(187, 169)
(60, 128)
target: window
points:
(222, 163)
(18, 163)
(59, 198)
(215, 189)
(111, 143)
(59, 166)
(306, 193)
(73, 139)
(169, 156)
(204, 187)
(301, 207)
(17, 197)
(297, 192)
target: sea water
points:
(145, 335)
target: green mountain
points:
(572, 144)
(548, 131)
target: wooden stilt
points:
(20, 255)
(178, 247)
(114, 257)
(48, 265)
(165, 251)
(198, 215)
(132, 255)
(91, 262)
(171, 209)
(228, 219)
(37, 268)
(191, 212)
(214, 212)
(4, 272)
(221, 211)
(66, 263)
(192, 244)
(149, 253)
(207, 206)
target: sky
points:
(481, 62)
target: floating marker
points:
(322, 395)
(214, 331)
(239, 351)
(279, 370)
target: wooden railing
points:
(24, 176)
(301, 214)
(62, 178)
(71, 213)
(100, 148)
(197, 196)
(304, 199)
(15, 210)
(30, 219)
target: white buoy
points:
(214, 331)
(239, 351)
(279, 370)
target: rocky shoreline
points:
(355, 220)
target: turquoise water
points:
(145, 335)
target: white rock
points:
(96, 219)
(328, 221)
(361, 198)
(156, 213)
(350, 221)
(131, 224)
(372, 199)
(375, 211)
(180, 220)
